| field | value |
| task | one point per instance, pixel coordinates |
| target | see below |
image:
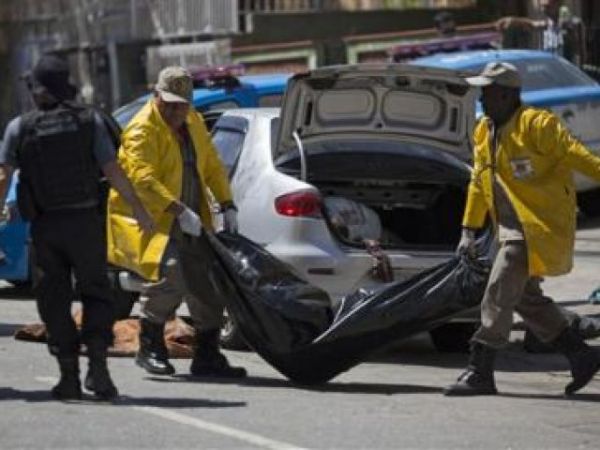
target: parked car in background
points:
(375, 152)
(551, 82)
(221, 88)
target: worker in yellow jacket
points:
(524, 160)
(168, 154)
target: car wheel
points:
(453, 337)
(123, 300)
(20, 284)
(231, 338)
(589, 202)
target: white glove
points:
(230, 222)
(190, 222)
(5, 214)
(467, 243)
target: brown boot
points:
(478, 378)
(209, 361)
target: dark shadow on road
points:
(28, 396)
(373, 388)
(332, 386)
(349, 388)
(39, 396)
(187, 378)
(582, 397)
(163, 402)
(16, 293)
(8, 329)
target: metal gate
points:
(180, 18)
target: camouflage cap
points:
(497, 72)
(175, 85)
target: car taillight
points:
(299, 204)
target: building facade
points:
(116, 47)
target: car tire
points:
(123, 300)
(21, 285)
(589, 202)
(231, 338)
(453, 337)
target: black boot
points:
(584, 360)
(153, 355)
(478, 378)
(209, 361)
(97, 379)
(69, 386)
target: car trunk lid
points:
(376, 100)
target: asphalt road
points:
(393, 401)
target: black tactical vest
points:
(56, 158)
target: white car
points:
(377, 152)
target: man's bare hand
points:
(503, 23)
(144, 220)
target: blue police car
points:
(551, 82)
(218, 89)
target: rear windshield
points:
(124, 114)
(539, 74)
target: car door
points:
(14, 241)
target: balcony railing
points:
(290, 6)
(96, 22)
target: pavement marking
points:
(47, 380)
(182, 419)
(250, 438)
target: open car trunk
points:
(385, 144)
(405, 195)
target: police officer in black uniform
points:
(59, 148)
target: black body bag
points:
(292, 325)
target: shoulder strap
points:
(27, 122)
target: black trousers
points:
(67, 243)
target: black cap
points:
(52, 72)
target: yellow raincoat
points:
(151, 158)
(536, 157)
